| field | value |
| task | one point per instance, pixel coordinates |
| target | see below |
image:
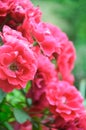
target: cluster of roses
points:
(35, 51)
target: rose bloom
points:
(82, 122)
(70, 126)
(50, 38)
(54, 42)
(32, 17)
(66, 61)
(17, 63)
(5, 6)
(12, 12)
(10, 36)
(77, 124)
(64, 100)
(19, 9)
(45, 74)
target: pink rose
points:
(66, 60)
(5, 6)
(10, 36)
(19, 9)
(50, 38)
(45, 74)
(82, 121)
(32, 17)
(41, 34)
(12, 12)
(77, 124)
(64, 100)
(17, 63)
(70, 126)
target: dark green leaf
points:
(36, 126)
(2, 95)
(21, 116)
(5, 112)
(3, 116)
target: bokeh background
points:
(70, 16)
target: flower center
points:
(13, 67)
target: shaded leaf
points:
(36, 126)
(21, 116)
(2, 95)
(29, 101)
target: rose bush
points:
(37, 89)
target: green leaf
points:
(21, 116)
(54, 62)
(26, 89)
(36, 123)
(29, 101)
(3, 116)
(36, 126)
(16, 98)
(2, 95)
(35, 43)
(8, 126)
(5, 112)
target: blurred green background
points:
(70, 16)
